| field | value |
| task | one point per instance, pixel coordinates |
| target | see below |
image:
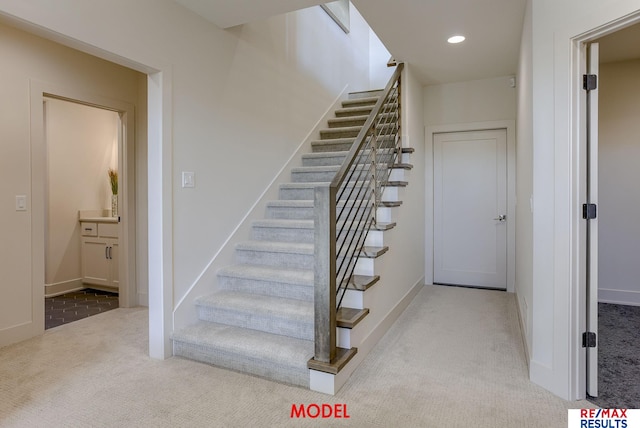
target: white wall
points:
(524, 181)
(82, 144)
(379, 73)
(618, 180)
(27, 59)
(473, 101)
(236, 104)
(555, 306)
(460, 106)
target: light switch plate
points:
(188, 179)
(21, 203)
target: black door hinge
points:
(589, 211)
(588, 339)
(589, 82)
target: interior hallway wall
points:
(242, 100)
(460, 103)
(82, 145)
(27, 58)
(618, 178)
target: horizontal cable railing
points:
(345, 211)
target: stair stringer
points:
(387, 299)
(185, 312)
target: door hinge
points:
(589, 82)
(588, 339)
(589, 211)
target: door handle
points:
(501, 217)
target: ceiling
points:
(414, 31)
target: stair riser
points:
(320, 147)
(273, 324)
(283, 234)
(290, 213)
(305, 193)
(355, 111)
(338, 123)
(283, 260)
(328, 134)
(312, 176)
(297, 213)
(243, 363)
(267, 288)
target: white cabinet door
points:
(470, 207)
(95, 264)
(114, 271)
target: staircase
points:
(261, 319)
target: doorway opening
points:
(81, 197)
(618, 234)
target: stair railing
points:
(345, 211)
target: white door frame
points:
(510, 127)
(578, 302)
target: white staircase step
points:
(271, 356)
(268, 281)
(275, 315)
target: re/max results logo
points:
(604, 418)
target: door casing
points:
(510, 127)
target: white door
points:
(592, 225)
(470, 207)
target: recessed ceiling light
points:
(456, 39)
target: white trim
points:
(577, 176)
(63, 287)
(619, 297)
(160, 201)
(510, 127)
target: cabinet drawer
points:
(108, 230)
(89, 229)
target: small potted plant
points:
(113, 180)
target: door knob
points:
(502, 217)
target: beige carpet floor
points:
(454, 358)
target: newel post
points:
(325, 273)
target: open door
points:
(590, 214)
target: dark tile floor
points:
(73, 306)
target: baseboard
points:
(523, 332)
(52, 290)
(367, 344)
(20, 332)
(619, 297)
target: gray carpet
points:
(454, 358)
(618, 356)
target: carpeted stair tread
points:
(284, 223)
(271, 356)
(275, 315)
(285, 276)
(268, 281)
(354, 111)
(359, 102)
(260, 306)
(276, 247)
